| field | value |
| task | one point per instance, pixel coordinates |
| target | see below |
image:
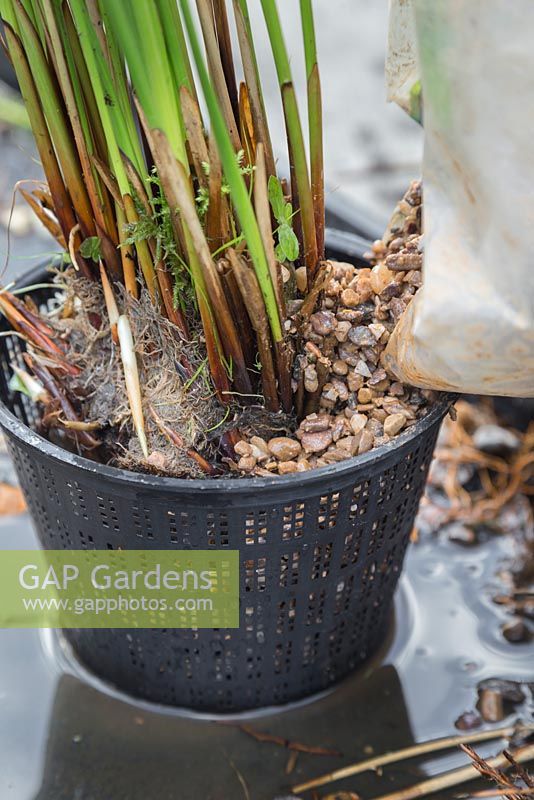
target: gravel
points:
(355, 404)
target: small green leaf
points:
(288, 242)
(276, 198)
(288, 212)
(16, 384)
(90, 248)
(279, 253)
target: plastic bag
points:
(402, 68)
(470, 327)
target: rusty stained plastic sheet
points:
(471, 326)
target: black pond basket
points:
(320, 556)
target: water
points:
(64, 737)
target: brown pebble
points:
(301, 277)
(349, 444)
(342, 330)
(286, 467)
(316, 442)
(311, 382)
(398, 306)
(377, 329)
(246, 463)
(361, 336)
(380, 277)
(376, 427)
(340, 367)
(516, 631)
(354, 381)
(381, 386)
(414, 278)
(365, 395)
(358, 423)
(363, 369)
(378, 376)
(396, 389)
(349, 352)
(312, 348)
(404, 261)
(260, 444)
(315, 422)
(468, 721)
(393, 289)
(366, 442)
(380, 415)
(491, 705)
(341, 389)
(323, 322)
(283, 448)
(334, 456)
(243, 448)
(365, 289)
(350, 298)
(394, 423)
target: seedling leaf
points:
(288, 243)
(91, 248)
(276, 198)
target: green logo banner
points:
(119, 589)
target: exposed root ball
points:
(173, 374)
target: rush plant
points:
(150, 196)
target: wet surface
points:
(63, 737)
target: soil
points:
(346, 401)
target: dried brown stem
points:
(205, 14)
(56, 393)
(289, 744)
(252, 297)
(183, 199)
(432, 746)
(195, 134)
(456, 777)
(225, 48)
(178, 442)
(53, 227)
(252, 79)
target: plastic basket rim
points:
(13, 426)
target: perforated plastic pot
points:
(321, 553)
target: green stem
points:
(176, 45)
(315, 121)
(115, 130)
(253, 82)
(138, 28)
(238, 189)
(54, 112)
(62, 204)
(294, 133)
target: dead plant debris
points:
(517, 784)
(481, 483)
(414, 751)
(297, 747)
